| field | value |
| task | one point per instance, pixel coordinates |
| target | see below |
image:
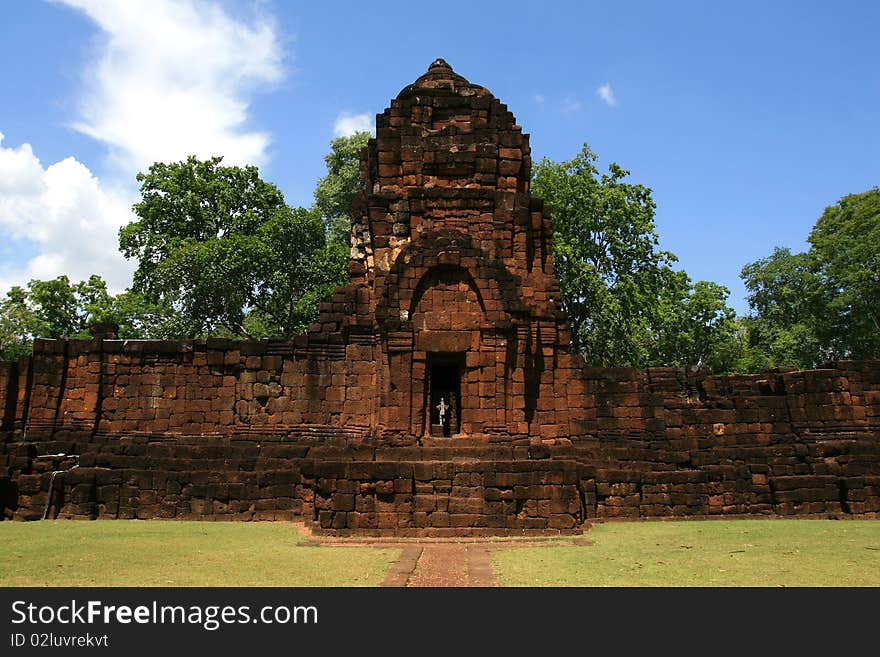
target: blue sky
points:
(746, 119)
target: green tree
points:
(809, 308)
(58, 308)
(17, 324)
(845, 249)
(336, 190)
(297, 269)
(220, 246)
(786, 306)
(192, 239)
(606, 256)
(625, 303)
(696, 327)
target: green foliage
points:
(625, 304)
(190, 202)
(336, 190)
(17, 325)
(696, 327)
(137, 317)
(809, 308)
(785, 301)
(297, 269)
(220, 246)
(845, 247)
(58, 308)
(191, 239)
(605, 255)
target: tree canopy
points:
(58, 308)
(785, 303)
(845, 248)
(695, 326)
(823, 304)
(625, 303)
(221, 247)
(335, 191)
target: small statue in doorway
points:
(442, 407)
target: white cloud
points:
(173, 78)
(168, 78)
(571, 106)
(539, 98)
(347, 124)
(606, 94)
(66, 213)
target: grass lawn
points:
(172, 553)
(697, 553)
(766, 552)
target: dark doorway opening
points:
(444, 398)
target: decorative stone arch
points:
(429, 277)
(497, 288)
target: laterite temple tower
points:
(452, 281)
(436, 394)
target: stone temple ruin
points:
(436, 394)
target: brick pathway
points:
(437, 562)
(403, 568)
(443, 565)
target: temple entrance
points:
(444, 393)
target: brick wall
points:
(192, 387)
(670, 443)
(8, 393)
(211, 429)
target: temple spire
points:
(439, 63)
